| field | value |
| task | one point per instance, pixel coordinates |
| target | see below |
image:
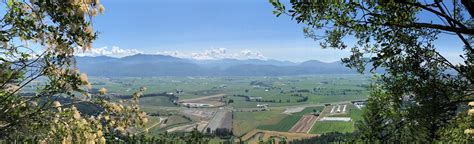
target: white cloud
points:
(105, 51)
(214, 54)
(209, 54)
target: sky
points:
(209, 29)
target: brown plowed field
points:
(304, 124)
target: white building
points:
(262, 105)
(343, 119)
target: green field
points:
(247, 121)
(285, 124)
(278, 92)
(275, 91)
(321, 127)
(328, 126)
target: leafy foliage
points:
(39, 39)
(421, 91)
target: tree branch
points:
(438, 13)
(432, 26)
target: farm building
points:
(344, 119)
(359, 104)
(196, 105)
(254, 98)
(262, 105)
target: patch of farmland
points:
(293, 110)
(321, 127)
(213, 100)
(309, 110)
(187, 127)
(337, 126)
(155, 104)
(288, 122)
(227, 121)
(167, 123)
(304, 124)
(201, 113)
(351, 111)
(244, 122)
(282, 126)
(174, 120)
(222, 119)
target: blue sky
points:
(187, 27)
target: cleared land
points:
(293, 110)
(304, 124)
(213, 100)
(201, 113)
(203, 98)
(227, 121)
(220, 119)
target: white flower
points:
(471, 104)
(56, 104)
(83, 78)
(471, 111)
(102, 91)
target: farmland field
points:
(276, 91)
(165, 99)
(247, 121)
(304, 124)
(243, 94)
(286, 123)
(321, 127)
(329, 126)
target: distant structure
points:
(359, 104)
(254, 98)
(338, 109)
(196, 105)
(262, 106)
(343, 119)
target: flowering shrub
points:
(39, 39)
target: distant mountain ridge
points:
(161, 65)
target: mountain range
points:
(161, 65)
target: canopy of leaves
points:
(423, 92)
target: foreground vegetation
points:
(421, 96)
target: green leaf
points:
(9, 3)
